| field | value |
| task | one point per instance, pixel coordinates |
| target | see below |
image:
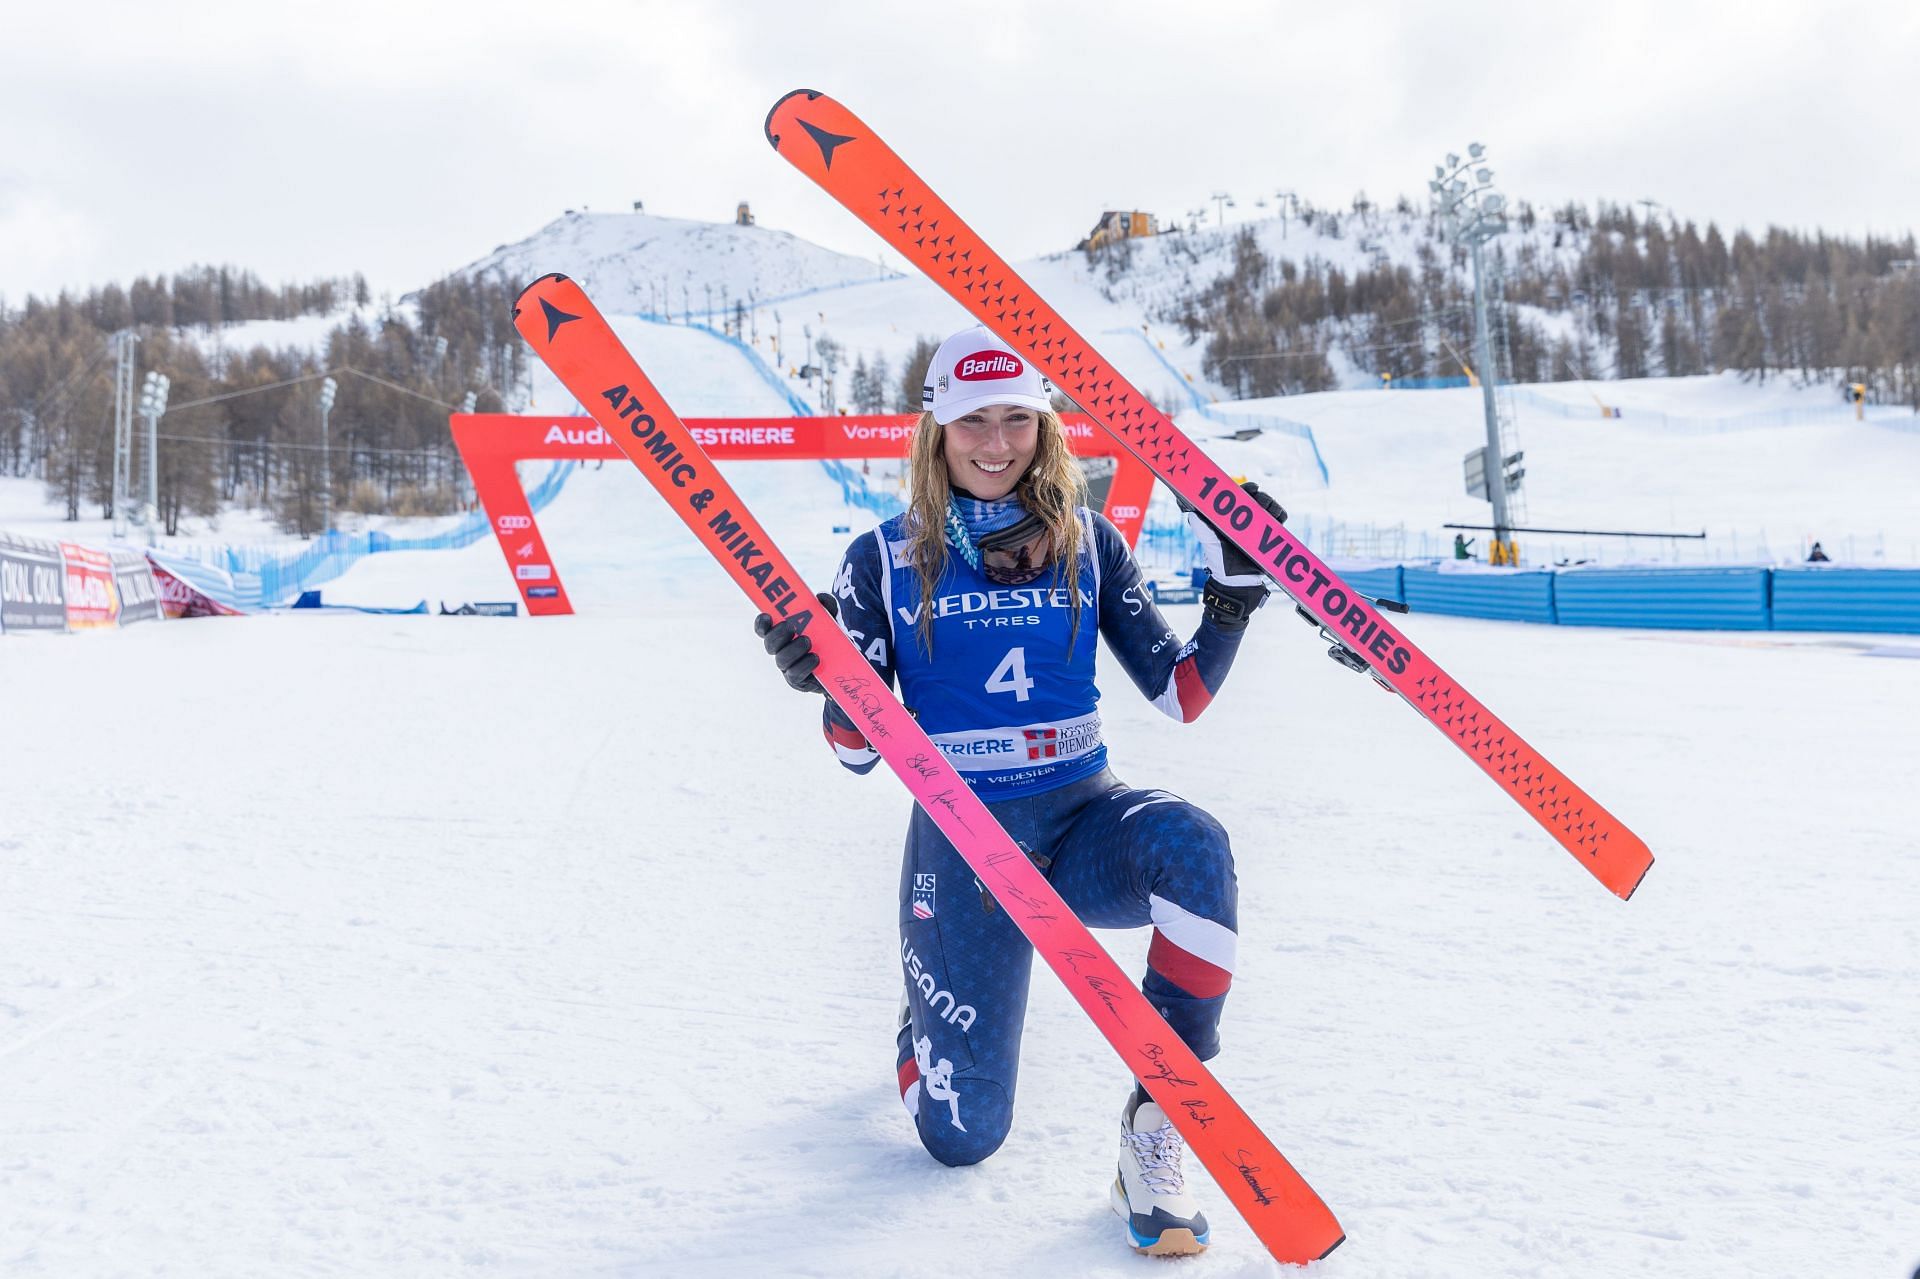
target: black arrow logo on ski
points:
(828, 141)
(555, 318)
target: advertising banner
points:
(92, 603)
(491, 443)
(133, 581)
(32, 585)
(189, 588)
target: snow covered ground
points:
(410, 945)
(1762, 495)
(343, 945)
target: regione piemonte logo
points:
(988, 366)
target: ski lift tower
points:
(1472, 214)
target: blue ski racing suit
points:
(1008, 695)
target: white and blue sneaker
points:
(1150, 1191)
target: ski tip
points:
(1330, 1247)
(773, 139)
(551, 276)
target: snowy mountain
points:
(638, 262)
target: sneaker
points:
(1150, 1191)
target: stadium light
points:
(1471, 216)
(328, 389)
(153, 403)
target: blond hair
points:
(1051, 488)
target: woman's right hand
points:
(791, 650)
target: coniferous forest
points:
(243, 427)
(1583, 293)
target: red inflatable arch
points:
(491, 443)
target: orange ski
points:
(832, 146)
(564, 329)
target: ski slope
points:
(1763, 493)
(345, 945)
(428, 946)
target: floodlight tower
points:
(121, 344)
(1472, 214)
(328, 389)
(153, 404)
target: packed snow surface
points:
(418, 945)
(345, 945)
(1762, 493)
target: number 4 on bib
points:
(1011, 675)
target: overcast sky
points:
(404, 140)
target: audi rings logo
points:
(514, 523)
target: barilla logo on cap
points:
(987, 366)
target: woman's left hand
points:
(1226, 562)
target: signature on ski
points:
(948, 800)
(871, 707)
(923, 764)
(1037, 911)
(1197, 1111)
(1248, 1170)
(1109, 995)
(1158, 1056)
(1099, 985)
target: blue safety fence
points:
(266, 576)
(1713, 599)
(1376, 583)
(1833, 597)
(855, 491)
(1813, 597)
(1518, 595)
(1427, 383)
(1804, 598)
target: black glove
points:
(1236, 585)
(792, 651)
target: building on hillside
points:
(743, 216)
(1120, 225)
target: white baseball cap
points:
(973, 369)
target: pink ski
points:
(562, 326)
